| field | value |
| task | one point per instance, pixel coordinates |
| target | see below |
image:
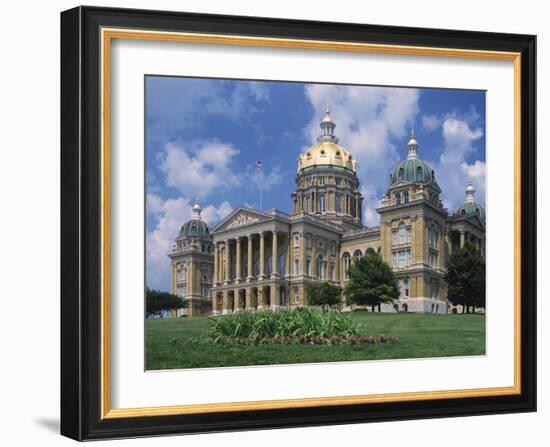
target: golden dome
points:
(326, 153)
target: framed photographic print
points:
(276, 223)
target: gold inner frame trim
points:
(107, 35)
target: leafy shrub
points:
(293, 324)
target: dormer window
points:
(401, 174)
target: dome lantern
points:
(196, 210)
(327, 128)
(470, 192)
(412, 146)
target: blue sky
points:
(203, 137)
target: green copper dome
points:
(195, 228)
(470, 207)
(413, 170)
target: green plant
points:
(371, 281)
(323, 294)
(293, 323)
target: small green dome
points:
(412, 170)
(470, 209)
(195, 228)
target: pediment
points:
(239, 218)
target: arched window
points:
(346, 263)
(357, 254)
(406, 197)
(402, 233)
(319, 270)
(321, 203)
(296, 267)
(398, 198)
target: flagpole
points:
(260, 174)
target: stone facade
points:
(258, 260)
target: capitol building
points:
(254, 260)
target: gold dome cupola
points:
(327, 151)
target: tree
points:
(323, 294)
(371, 281)
(466, 278)
(157, 301)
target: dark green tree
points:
(157, 301)
(466, 278)
(323, 294)
(371, 281)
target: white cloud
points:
(431, 122)
(175, 104)
(452, 170)
(196, 173)
(369, 120)
(169, 215)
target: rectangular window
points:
(394, 237)
(308, 267)
(402, 258)
(394, 256)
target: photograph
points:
(295, 222)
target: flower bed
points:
(296, 326)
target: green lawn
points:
(169, 345)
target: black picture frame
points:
(81, 223)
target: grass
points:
(170, 342)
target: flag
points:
(258, 166)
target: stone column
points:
(462, 237)
(228, 262)
(248, 299)
(174, 273)
(357, 205)
(337, 265)
(250, 259)
(274, 255)
(275, 298)
(262, 256)
(237, 300)
(260, 298)
(226, 309)
(303, 253)
(238, 261)
(214, 299)
(314, 258)
(216, 260)
(288, 263)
